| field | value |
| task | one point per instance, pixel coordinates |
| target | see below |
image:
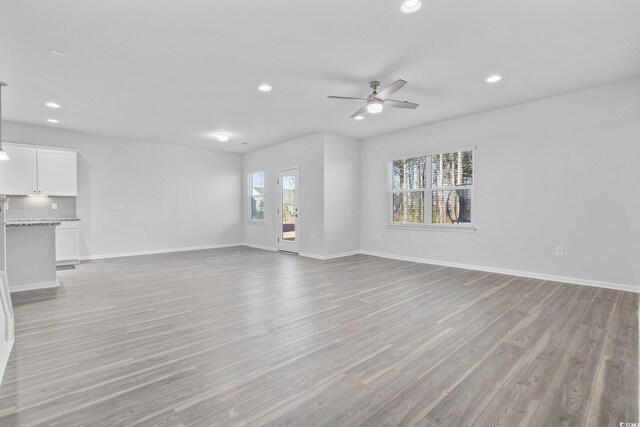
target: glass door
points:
(288, 219)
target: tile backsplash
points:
(28, 207)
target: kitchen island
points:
(31, 254)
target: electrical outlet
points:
(313, 237)
(379, 236)
(219, 230)
(559, 250)
(143, 235)
(116, 207)
(54, 206)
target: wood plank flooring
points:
(241, 336)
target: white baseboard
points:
(331, 256)
(158, 251)
(264, 248)
(541, 276)
(33, 286)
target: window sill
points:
(255, 222)
(463, 228)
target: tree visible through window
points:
(432, 189)
(256, 191)
(408, 176)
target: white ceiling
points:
(179, 71)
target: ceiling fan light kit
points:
(374, 107)
(411, 6)
(376, 102)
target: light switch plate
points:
(54, 206)
(116, 207)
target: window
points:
(434, 189)
(256, 195)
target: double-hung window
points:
(256, 195)
(432, 189)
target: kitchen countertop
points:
(42, 220)
(37, 222)
(32, 223)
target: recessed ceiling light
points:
(265, 88)
(222, 137)
(52, 105)
(410, 6)
(375, 107)
(359, 117)
(57, 52)
(53, 121)
(494, 79)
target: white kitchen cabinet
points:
(57, 172)
(18, 174)
(68, 243)
(39, 171)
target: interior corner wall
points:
(3, 239)
(307, 154)
(175, 197)
(2, 248)
(342, 194)
(557, 172)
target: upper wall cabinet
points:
(18, 174)
(57, 172)
(39, 171)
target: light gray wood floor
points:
(242, 336)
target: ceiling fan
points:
(376, 102)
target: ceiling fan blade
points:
(393, 87)
(347, 97)
(359, 112)
(400, 104)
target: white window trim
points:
(442, 227)
(250, 219)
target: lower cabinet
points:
(68, 243)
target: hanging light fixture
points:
(3, 154)
(375, 107)
(411, 6)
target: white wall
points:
(179, 197)
(342, 194)
(2, 232)
(329, 193)
(307, 154)
(561, 171)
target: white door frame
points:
(283, 245)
